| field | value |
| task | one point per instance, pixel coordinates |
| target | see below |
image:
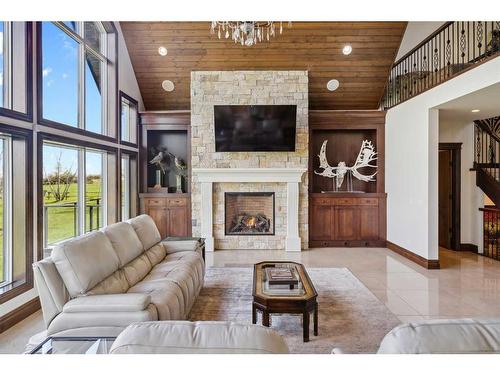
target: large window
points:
(128, 185)
(125, 187)
(128, 119)
(13, 67)
(15, 249)
(73, 71)
(74, 186)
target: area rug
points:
(350, 316)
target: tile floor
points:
(467, 285)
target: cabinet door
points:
(159, 216)
(322, 222)
(177, 221)
(346, 221)
(368, 223)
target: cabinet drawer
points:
(154, 202)
(176, 201)
(343, 201)
(322, 201)
(368, 201)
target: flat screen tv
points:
(255, 127)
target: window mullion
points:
(81, 209)
(81, 86)
(7, 70)
(7, 210)
(104, 189)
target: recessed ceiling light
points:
(168, 85)
(347, 49)
(475, 111)
(332, 85)
(163, 51)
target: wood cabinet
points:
(342, 218)
(171, 214)
(347, 219)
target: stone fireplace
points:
(216, 173)
(249, 213)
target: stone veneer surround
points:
(248, 88)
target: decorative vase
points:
(158, 178)
(178, 180)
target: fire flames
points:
(251, 222)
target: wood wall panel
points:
(312, 46)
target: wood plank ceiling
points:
(312, 46)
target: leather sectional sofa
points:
(99, 283)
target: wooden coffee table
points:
(284, 300)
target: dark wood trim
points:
(76, 142)
(56, 125)
(121, 95)
(430, 264)
(27, 283)
(22, 312)
(456, 181)
(469, 247)
(28, 115)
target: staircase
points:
(487, 157)
(487, 167)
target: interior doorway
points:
(449, 195)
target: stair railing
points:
(487, 146)
(451, 50)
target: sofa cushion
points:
(146, 230)
(166, 296)
(85, 261)
(457, 336)
(137, 269)
(125, 241)
(123, 302)
(156, 254)
(113, 284)
(198, 337)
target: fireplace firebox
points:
(248, 213)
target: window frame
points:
(11, 113)
(43, 138)
(132, 157)
(107, 95)
(121, 96)
(10, 290)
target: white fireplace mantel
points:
(291, 176)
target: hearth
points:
(249, 213)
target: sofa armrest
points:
(455, 336)
(125, 302)
(175, 246)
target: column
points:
(292, 223)
(207, 215)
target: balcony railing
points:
(452, 49)
(67, 224)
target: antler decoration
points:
(366, 155)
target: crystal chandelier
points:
(247, 33)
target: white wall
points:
(412, 163)
(457, 131)
(127, 81)
(414, 34)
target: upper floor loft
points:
(452, 49)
